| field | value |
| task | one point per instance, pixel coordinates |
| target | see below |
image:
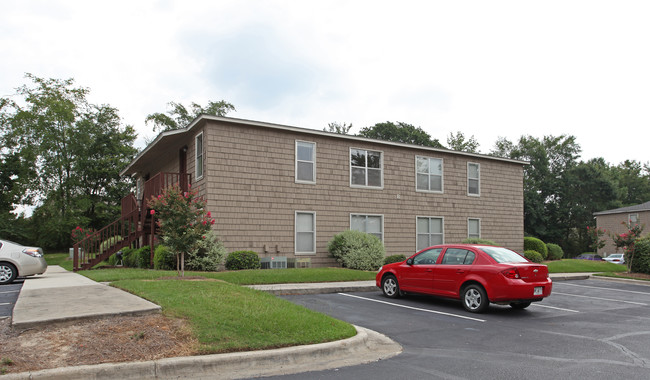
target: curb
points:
(324, 290)
(365, 347)
(623, 280)
(571, 277)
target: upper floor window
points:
(473, 179)
(305, 162)
(474, 228)
(371, 224)
(429, 232)
(198, 155)
(366, 168)
(428, 174)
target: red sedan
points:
(475, 274)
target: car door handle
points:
(429, 270)
(460, 271)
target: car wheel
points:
(8, 273)
(519, 305)
(390, 287)
(475, 299)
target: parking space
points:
(586, 329)
(8, 296)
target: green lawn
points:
(577, 266)
(227, 317)
(61, 259)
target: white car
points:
(616, 258)
(17, 260)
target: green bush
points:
(555, 252)
(109, 242)
(533, 256)
(357, 250)
(209, 255)
(242, 260)
(641, 260)
(136, 258)
(535, 244)
(478, 241)
(163, 258)
(394, 259)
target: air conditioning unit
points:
(299, 262)
(275, 262)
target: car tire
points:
(8, 273)
(390, 286)
(475, 298)
(519, 305)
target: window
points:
(305, 232)
(474, 228)
(372, 224)
(473, 179)
(365, 168)
(428, 174)
(305, 162)
(457, 256)
(198, 155)
(633, 218)
(427, 257)
(429, 232)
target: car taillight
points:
(33, 252)
(512, 273)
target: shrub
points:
(109, 242)
(534, 244)
(163, 258)
(394, 259)
(641, 259)
(126, 257)
(555, 252)
(478, 241)
(357, 250)
(242, 260)
(533, 256)
(209, 255)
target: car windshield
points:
(503, 255)
(616, 256)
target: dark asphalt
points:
(590, 329)
(8, 296)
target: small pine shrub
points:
(535, 244)
(394, 259)
(641, 259)
(533, 256)
(163, 258)
(555, 252)
(239, 260)
(357, 250)
(478, 241)
(209, 256)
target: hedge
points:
(533, 256)
(357, 250)
(535, 244)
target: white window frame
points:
(313, 162)
(295, 229)
(418, 232)
(381, 168)
(478, 167)
(381, 216)
(198, 155)
(442, 175)
(469, 231)
(629, 218)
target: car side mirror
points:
(409, 262)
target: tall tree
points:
(178, 116)
(633, 181)
(340, 128)
(400, 132)
(460, 143)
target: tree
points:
(342, 129)
(179, 116)
(633, 181)
(459, 143)
(400, 132)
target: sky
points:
(488, 69)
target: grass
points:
(226, 317)
(621, 275)
(62, 259)
(578, 266)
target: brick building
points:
(285, 191)
(612, 221)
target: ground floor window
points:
(372, 224)
(305, 232)
(430, 231)
(474, 228)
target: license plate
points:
(538, 291)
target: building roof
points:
(628, 209)
(166, 140)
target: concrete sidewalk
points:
(59, 295)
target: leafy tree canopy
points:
(460, 143)
(340, 128)
(400, 132)
(179, 116)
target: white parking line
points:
(602, 299)
(6, 303)
(556, 308)
(414, 308)
(613, 290)
(11, 291)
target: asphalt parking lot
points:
(8, 296)
(588, 329)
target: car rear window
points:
(503, 255)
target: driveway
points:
(586, 329)
(8, 296)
